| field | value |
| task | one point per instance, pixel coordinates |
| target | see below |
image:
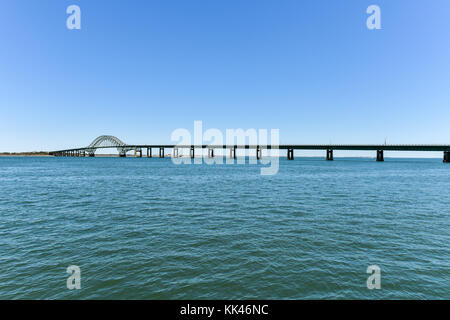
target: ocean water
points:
(143, 228)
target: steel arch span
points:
(107, 141)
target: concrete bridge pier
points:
(149, 152)
(290, 154)
(258, 153)
(138, 153)
(446, 156)
(192, 152)
(380, 155)
(161, 152)
(210, 153)
(233, 153)
(330, 155)
(176, 154)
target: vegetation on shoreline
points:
(35, 153)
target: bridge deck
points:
(387, 147)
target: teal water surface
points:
(150, 229)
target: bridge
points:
(111, 142)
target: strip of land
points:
(25, 154)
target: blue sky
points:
(141, 69)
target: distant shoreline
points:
(25, 154)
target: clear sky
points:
(141, 69)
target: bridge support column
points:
(149, 152)
(210, 153)
(258, 153)
(290, 154)
(176, 154)
(446, 156)
(233, 153)
(161, 152)
(192, 152)
(380, 155)
(91, 155)
(330, 154)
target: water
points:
(149, 229)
